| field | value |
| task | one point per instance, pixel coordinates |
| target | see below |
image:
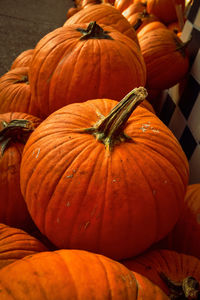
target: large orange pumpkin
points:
(74, 274)
(185, 235)
(114, 187)
(81, 62)
(15, 129)
(15, 93)
(104, 14)
(16, 244)
(165, 56)
(178, 275)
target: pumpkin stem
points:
(109, 129)
(137, 25)
(181, 46)
(14, 131)
(94, 31)
(23, 79)
(189, 288)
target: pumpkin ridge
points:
(61, 175)
(89, 177)
(169, 161)
(39, 72)
(153, 195)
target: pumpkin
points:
(185, 235)
(16, 244)
(15, 93)
(73, 274)
(72, 11)
(104, 14)
(150, 27)
(114, 187)
(165, 10)
(140, 19)
(133, 9)
(175, 27)
(15, 129)
(121, 5)
(23, 59)
(165, 55)
(178, 275)
(76, 63)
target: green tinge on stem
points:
(110, 129)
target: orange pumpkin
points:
(16, 244)
(15, 129)
(184, 237)
(165, 10)
(104, 14)
(166, 58)
(15, 93)
(114, 187)
(121, 5)
(81, 62)
(23, 59)
(178, 275)
(73, 274)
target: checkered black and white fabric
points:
(180, 109)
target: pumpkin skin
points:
(73, 274)
(121, 5)
(13, 210)
(15, 93)
(23, 59)
(164, 9)
(115, 67)
(161, 48)
(104, 14)
(127, 212)
(184, 237)
(176, 266)
(16, 244)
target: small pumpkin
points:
(16, 244)
(141, 19)
(114, 187)
(23, 59)
(74, 274)
(165, 10)
(121, 5)
(184, 237)
(177, 274)
(99, 60)
(15, 92)
(15, 129)
(165, 55)
(104, 14)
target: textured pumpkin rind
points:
(93, 200)
(23, 59)
(15, 92)
(176, 266)
(13, 210)
(60, 64)
(16, 244)
(184, 237)
(73, 274)
(106, 15)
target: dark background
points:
(24, 22)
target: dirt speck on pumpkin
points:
(68, 204)
(58, 220)
(70, 176)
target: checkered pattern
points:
(180, 108)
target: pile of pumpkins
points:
(95, 199)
